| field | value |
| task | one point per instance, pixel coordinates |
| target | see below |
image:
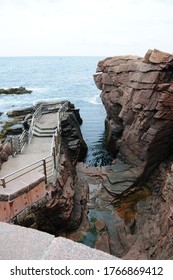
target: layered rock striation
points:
(138, 96)
(67, 204)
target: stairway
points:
(43, 132)
(45, 126)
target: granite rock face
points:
(137, 94)
(67, 199)
(72, 139)
(138, 97)
(66, 202)
(152, 237)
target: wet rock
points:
(20, 112)
(19, 90)
(14, 129)
(100, 225)
(102, 243)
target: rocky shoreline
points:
(125, 208)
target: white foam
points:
(95, 99)
(39, 89)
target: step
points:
(45, 129)
(42, 134)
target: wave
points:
(36, 101)
(95, 99)
(39, 89)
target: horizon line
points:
(8, 56)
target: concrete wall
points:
(20, 243)
(21, 194)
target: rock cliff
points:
(65, 201)
(138, 97)
(137, 94)
(67, 204)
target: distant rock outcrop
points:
(138, 97)
(19, 90)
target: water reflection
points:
(98, 155)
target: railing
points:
(18, 143)
(45, 165)
(37, 114)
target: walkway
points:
(39, 148)
(24, 177)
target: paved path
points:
(39, 148)
(48, 121)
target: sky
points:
(85, 27)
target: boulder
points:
(3, 156)
(100, 225)
(7, 148)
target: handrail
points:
(3, 181)
(36, 116)
(39, 111)
(18, 143)
(23, 171)
(23, 168)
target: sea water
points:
(58, 78)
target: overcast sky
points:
(85, 27)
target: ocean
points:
(58, 78)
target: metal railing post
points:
(54, 157)
(12, 149)
(3, 183)
(45, 171)
(18, 139)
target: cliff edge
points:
(138, 96)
